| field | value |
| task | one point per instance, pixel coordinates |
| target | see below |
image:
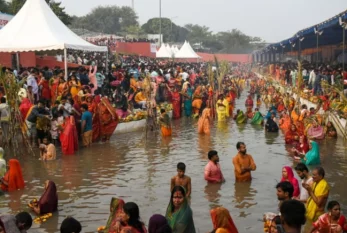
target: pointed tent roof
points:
(168, 48)
(192, 50)
(186, 52)
(173, 49)
(37, 28)
(176, 49)
(162, 52)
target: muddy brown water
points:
(138, 170)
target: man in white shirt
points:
(312, 78)
(31, 81)
(302, 171)
(184, 75)
(65, 106)
(59, 57)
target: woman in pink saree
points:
(315, 131)
(288, 175)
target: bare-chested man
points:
(181, 179)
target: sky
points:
(272, 20)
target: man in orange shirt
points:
(243, 164)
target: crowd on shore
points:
(88, 106)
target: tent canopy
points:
(186, 51)
(37, 28)
(163, 52)
(331, 30)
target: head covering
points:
(290, 174)
(70, 225)
(158, 224)
(313, 155)
(116, 207)
(48, 202)
(221, 219)
(257, 119)
(15, 180)
(222, 230)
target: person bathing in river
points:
(47, 150)
(302, 171)
(243, 164)
(288, 175)
(48, 202)
(181, 179)
(271, 126)
(213, 171)
(165, 123)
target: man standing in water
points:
(302, 171)
(181, 179)
(285, 192)
(86, 126)
(243, 164)
(213, 172)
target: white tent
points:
(176, 49)
(186, 52)
(192, 50)
(36, 28)
(173, 50)
(163, 52)
(168, 48)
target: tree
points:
(107, 19)
(15, 5)
(198, 34)
(235, 41)
(170, 31)
(4, 6)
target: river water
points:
(139, 170)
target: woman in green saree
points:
(179, 214)
(240, 117)
(257, 119)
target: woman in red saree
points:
(45, 91)
(292, 135)
(13, 179)
(24, 107)
(176, 103)
(281, 107)
(331, 222)
(302, 147)
(288, 175)
(221, 219)
(48, 202)
(108, 119)
(69, 136)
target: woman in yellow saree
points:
(222, 108)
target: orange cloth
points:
(243, 161)
(108, 117)
(284, 123)
(165, 131)
(204, 122)
(139, 97)
(74, 89)
(13, 177)
(221, 219)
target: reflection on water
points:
(139, 170)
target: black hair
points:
(332, 204)
(3, 100)
(85, 106)
(57, 102)
(25, 219)
(293, 213)
(132, 210)
(70, 225)
(181, 166)
(320, 171)
(238, 145)
(212, 153)
(176, 189)
(286, 187)
(41, 101)
(301, 167)
(162, 110)
(277, 220)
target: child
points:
(181, 179)
(54, 130)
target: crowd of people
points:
(88, 106)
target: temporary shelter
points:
(36, 28)
(186, 51)
(163, 52)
